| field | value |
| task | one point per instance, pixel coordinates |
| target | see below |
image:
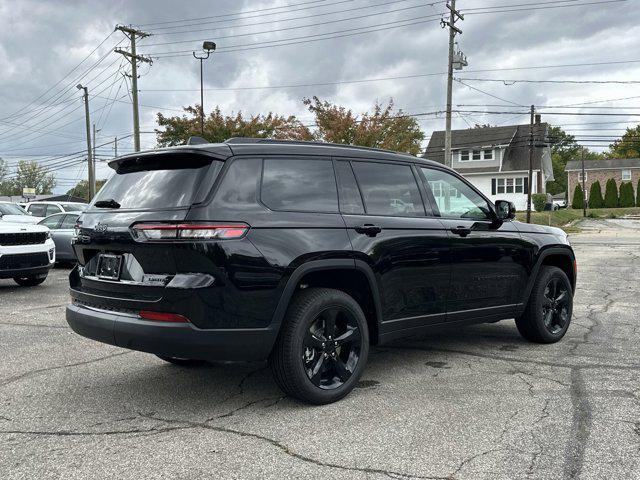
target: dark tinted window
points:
(11, 209)
(164, 182)
(350, 199)
(38, 210)
(389, 189)
(299, 185)
(69, 221)
(239, 187)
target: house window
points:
(580, 176)
(477, 155)
(519, 187)
(626, 175)
(488, 154)
(464, 155)
(509, 183)
(500, 185)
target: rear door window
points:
(38, 210)
(158, 182)
(389, 189)
(69, 222)
(350, 199)
(52, 209)
(52, 221)
(303, 185)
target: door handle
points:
(369, 229)
(462, 231)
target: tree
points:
(611, 194)
(3, 174)
(638, 194)
(563, 148)
(626, 195)
(628, 146)
(82, 189)
(383, 128)
(595, 195)
(219, 127)
(578, 198)
(30, 175)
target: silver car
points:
(62, 226)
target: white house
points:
(496, 159)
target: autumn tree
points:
(31, 175)
(385, 127)
(176, 130)
(628, 146)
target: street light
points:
(207, 47)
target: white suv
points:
(27, 252)
(43, 209)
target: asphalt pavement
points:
(472, 403)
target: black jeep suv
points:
(304, 254)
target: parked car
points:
(43, 209)
(26, 253)
(62, 228)
(295, 252)
(14, 213)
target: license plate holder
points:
(109, 266)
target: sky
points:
(48, 47)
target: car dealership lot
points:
(478, 402)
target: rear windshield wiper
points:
(109, 203)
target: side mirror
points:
(505, 210)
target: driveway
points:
(474, 403)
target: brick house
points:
(621, 169)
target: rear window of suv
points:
(303, 185)
(157, 183)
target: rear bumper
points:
(182, 340)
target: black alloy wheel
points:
(547, 315)
(555, 305)
(322, 347)
(331, 348)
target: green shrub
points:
(578, 198)
(626, 195)
(638, 194)
(539, 200)
(611, 194)
(595, 195)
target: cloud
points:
(41, 41)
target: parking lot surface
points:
(475, 403)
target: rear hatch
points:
(121, 264)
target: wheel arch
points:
(557, 256)
(355, 278)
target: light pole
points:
(92, 178)
(207, 47)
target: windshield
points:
(165, 182)
(74, 207)
(11, 209)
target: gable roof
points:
(607, 164)
(514, 137)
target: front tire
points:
(322, 348)
(30, 281)
(548, 313)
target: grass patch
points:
(561, 218)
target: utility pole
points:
(92, 177)
(584, 190)
(134, 58)
(453, 30)
(530, 180)
(115, 147)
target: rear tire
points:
(322, 347)
(548, 313)
(182, 362)
(30, 281)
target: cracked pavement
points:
(473, 403)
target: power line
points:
(512, 81)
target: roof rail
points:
(247, 140)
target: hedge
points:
(611, 194)
(595, 196)
(626, 195)
(578, 198)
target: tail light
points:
(162, 317)
(149, 232)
